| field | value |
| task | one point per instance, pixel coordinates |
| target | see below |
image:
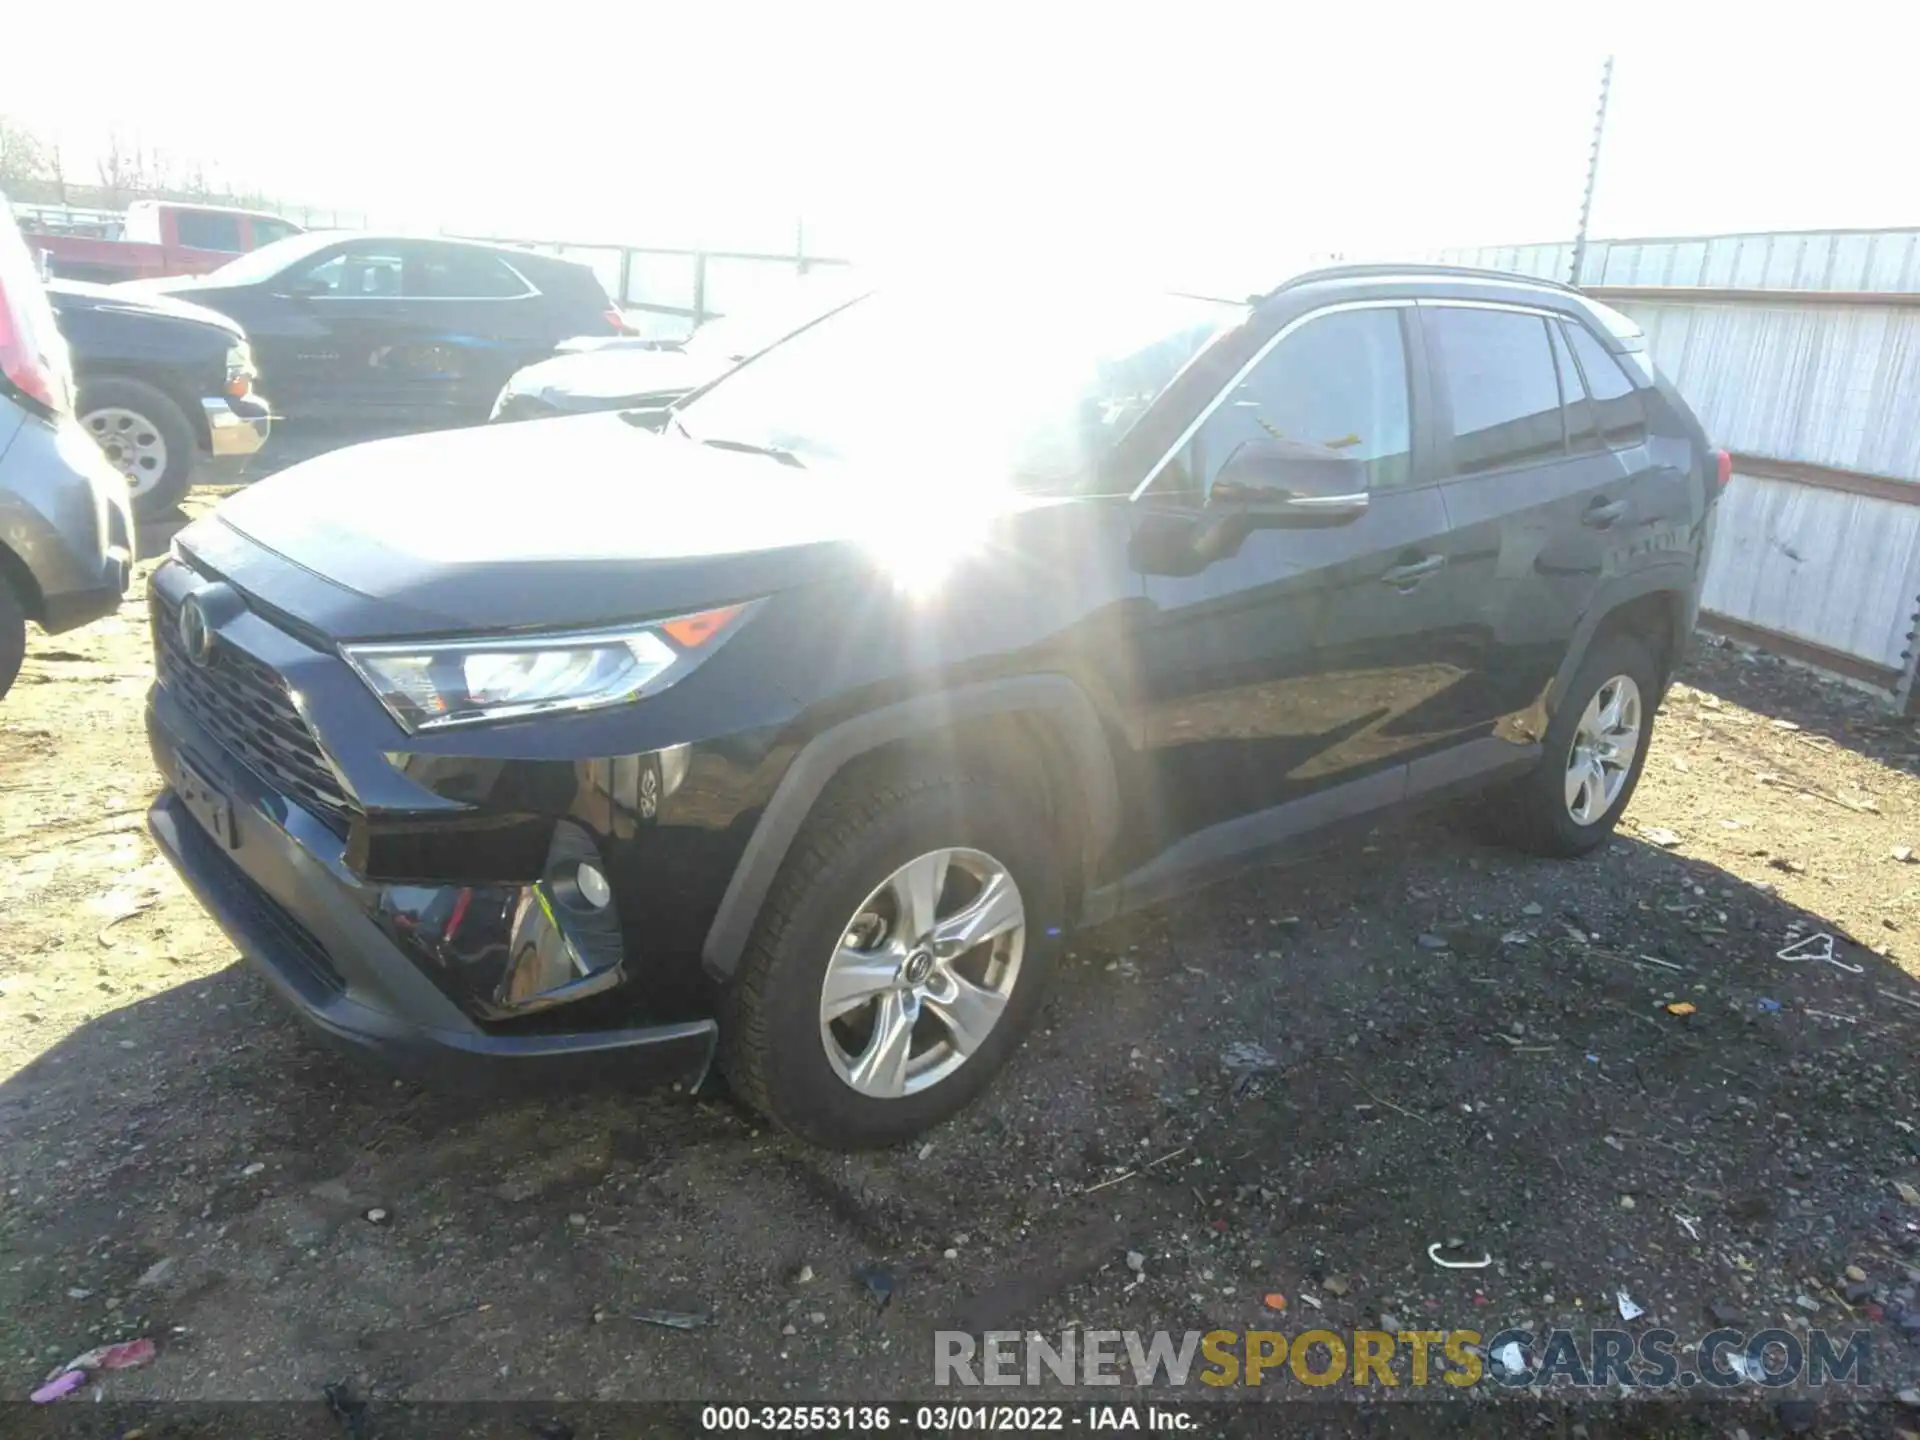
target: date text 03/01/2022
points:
(942, 1419)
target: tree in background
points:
(24, 159)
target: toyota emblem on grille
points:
(195, 638)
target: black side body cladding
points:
(1055, 696)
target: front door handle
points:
(1603, 513)
(1405, 577)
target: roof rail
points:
(1465, 272)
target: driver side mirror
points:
(1288, 483)
(1265, 485)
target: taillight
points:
(34, 362)
(1723, 468)
(618, 321)
(26, 365)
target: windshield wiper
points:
(747, 447)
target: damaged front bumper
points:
(396, 971)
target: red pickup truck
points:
(160, 237)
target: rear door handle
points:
(1407, 576)
(1603, 513)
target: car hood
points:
(122, 299)
(605, 378)
(162, 285)
(575, 521)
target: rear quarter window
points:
(1616, 401)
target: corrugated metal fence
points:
(1801, 354)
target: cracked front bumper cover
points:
(297, 916)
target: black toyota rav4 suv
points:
(798, 722)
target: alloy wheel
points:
(923, 973)
(1604, 745)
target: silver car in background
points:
(66, 527)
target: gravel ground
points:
(1290, 1085)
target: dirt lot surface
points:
(1291, 1085)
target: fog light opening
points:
(593, 886)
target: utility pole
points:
(1593, 172)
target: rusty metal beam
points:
(1827, 477)
(1698, 294)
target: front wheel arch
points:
(909, 728)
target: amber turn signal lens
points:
(690, 632)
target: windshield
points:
(1034, 390)
(268, 260)
(734, 337)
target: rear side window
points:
(1616, 404)
(1505, 393)
(1583, 433)
(207, 230)
(462, 275)
(1339, 381)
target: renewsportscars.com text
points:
(1515, 1359)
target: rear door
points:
(483, 319)
(1282, 669)
(1536, 502)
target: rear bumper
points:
(283, 896)
(233, 434)
(65, 515)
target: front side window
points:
(1033, 389)
(1500, 379)
(1338, 382)
(207, 230)
(355, 275)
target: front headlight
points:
(465, 682)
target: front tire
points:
(1594, 751)
(13, 636)
(898, 962)
(145, 435)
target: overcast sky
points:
(1235, 131)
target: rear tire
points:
(13, 636)
(146, 436)
(835, 898)
(1553, 810)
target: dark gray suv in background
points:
(803, 719)
(66, 528)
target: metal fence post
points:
(626, 274)
(1593, 171)
(699, 288)
(1909, 662)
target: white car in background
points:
(593, 373)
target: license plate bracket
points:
(207, 801)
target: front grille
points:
(246, 707)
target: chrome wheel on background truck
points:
(145, 435)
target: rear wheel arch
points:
(1037, 730)
(1656, 612)
(19, 579)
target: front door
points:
(1283, 668)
